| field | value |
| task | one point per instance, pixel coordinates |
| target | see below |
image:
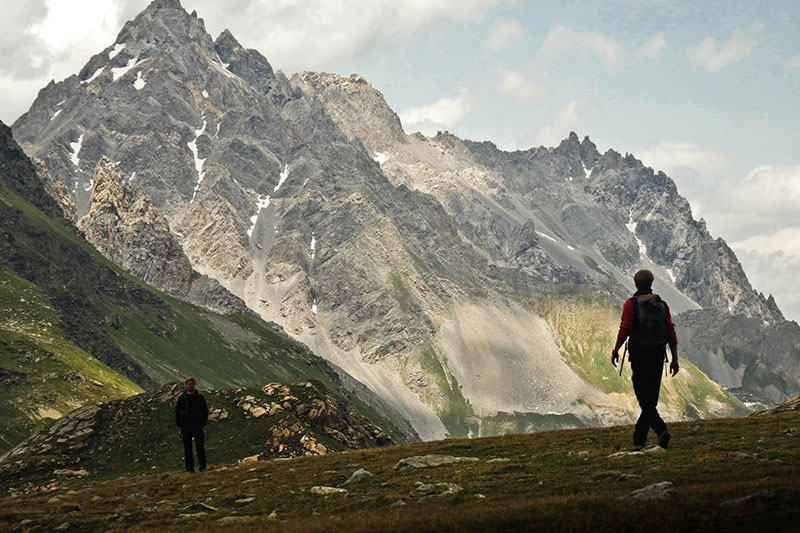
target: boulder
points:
(424, 461)
(776, 496)
(359, 476)
(656, 491)
(325, 491)
(434, 489)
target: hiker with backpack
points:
(191, 415)
(646, 321)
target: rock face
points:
(760, 361)
(127, 229)
(409, 262)
(57, 191)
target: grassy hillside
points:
(556, 481)
(587, 327)
(75, 328)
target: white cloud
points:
(774, 272)
(670, 156)
(66, 22)
(557, 126)
(562, 40)
(502, 33)
(784, 240)
(771, 191)
(314, 34)
(444, 114)
(792, 62)
(514, 85)
(652, 48)
(739, 45)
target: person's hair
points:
(643, 279)
(192, 378)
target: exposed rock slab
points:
(425, 461)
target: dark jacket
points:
(191, 410)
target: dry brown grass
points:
(540, 487)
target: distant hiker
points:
(646, 320)
(191, 414)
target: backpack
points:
(649, 322)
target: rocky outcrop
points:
(124, 226)
(789, 406)
(57, 190)
(294, 419)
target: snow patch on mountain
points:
(631, 225)
(380, 158)
(117, 49)
(283, 175)
(55, 114)
(140, 82)
(118, 72)
(586, 171)
(76, 148)
(546, 236)
(261, 203)
(313, 246)
(198, 163)
(91, 78)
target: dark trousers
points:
(188, 433)
(647, 369)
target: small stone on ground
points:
(656, 491)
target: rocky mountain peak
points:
(356, 106)
(228, 41)
(589, 151)
(246, 63)
(585, 151)
(165, 4)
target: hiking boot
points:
(663, 439)
(637, 447)
(203, 469)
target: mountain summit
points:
(456, 281)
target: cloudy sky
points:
(706, 91)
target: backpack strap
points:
(635, 301)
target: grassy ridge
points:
(556, 480)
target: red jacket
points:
(626, 325)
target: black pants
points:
(196, 432)
(647, 368)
